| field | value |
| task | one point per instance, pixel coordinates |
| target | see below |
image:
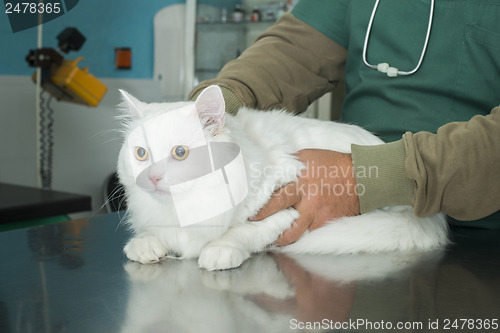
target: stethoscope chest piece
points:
(385, 67)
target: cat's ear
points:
(131, 105)
(211, 108)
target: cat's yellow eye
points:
(180, 152)
(141, 153)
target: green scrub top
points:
(459, 76)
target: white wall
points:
(86, 143)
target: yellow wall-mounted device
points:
(68, 82)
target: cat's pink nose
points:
(155, 179)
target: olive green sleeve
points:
(454, 171)
(287, 67)
(457, 169)
(380, 176)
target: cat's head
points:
(181, 154)
(164, 141)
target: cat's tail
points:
(383, 230)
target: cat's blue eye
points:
(141, 153)
(180, 152)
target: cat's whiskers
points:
(123, 218)
(112, 196)
(122, 200)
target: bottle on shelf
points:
(255, 17)
(238, 14)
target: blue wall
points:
(105, 24)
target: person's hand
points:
(325, 190)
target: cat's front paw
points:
(218, 257)
(145, 249)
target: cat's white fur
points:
(268, 141)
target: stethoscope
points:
(385, 67)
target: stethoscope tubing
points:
(385, 67)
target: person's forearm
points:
(454, 171)
(289, 66)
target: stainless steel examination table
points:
(73, 277)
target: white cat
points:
(267, 141)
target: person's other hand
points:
(325, 190)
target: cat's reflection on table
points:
(268, 293)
